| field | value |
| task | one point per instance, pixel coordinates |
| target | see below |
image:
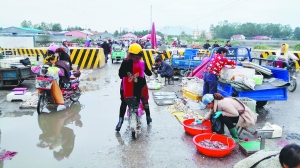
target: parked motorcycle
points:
(70, 90)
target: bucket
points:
(194, 131)
(217, 153)
(258, 79)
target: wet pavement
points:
(83, 135)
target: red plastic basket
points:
(194, 131)
(217, 153)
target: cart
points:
(118, 53)
(261, 93)
(191, 59)
(14, 77)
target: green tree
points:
(56, 27)
(26, 24)
(116, 33)
(286, 31)
(74, 28)
(37, 26)
(123, 32)
(202, 35)
(44, 26)
(297, 33)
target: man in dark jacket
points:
(106, 49)
(206, 45)
(228, 44)
(166, 69)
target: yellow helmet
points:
(135, 48)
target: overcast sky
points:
(112, 15)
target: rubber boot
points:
(119, 125)
(149, 119)
(234, 134)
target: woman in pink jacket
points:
(230, 110)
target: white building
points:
(238, 37)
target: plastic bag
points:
(154, 86)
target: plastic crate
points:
(279, 93)
(280, 73)
(225, 89)
(190, 53)
(191, 95)
(250, 103)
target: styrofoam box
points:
(277, 133)
(5, 63)
(11, 96)
(228, 73)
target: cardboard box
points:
(228, 73)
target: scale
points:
(251, 147)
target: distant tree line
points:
(226, 30)
(47, 26)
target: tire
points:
(133, 134)
(293, 85)
(260, 104)
(181, 72)
(75, 97)
(41, 102)
(112, 60)
(187, 73)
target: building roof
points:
(129, 35)
(87, 32)
(75, 31)
(26, 29)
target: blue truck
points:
(261, 93)
(187, 62)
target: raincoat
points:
(133, 80)
(285, 54)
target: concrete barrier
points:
(266, 53)
(8, 51)
(84, 58)
(88, 58)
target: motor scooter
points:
(44, 83)
(134, 116)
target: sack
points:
(25, 61)
(217, 124)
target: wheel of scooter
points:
(112, 60)
(293, 85)
(41, 103)
(75, 97)
(133, 134)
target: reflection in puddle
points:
(55, 134)
(16, 114)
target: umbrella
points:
(148, 36)
(153, 37)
